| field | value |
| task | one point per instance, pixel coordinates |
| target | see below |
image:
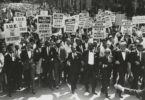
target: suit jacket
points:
(24, 56)
(62, 54)
(9, 64)
(140, 93)
(85, 57)
(44, 54)
(26, 60)
(51, 54)
(79, 49)
(75, 62)
(84, 47)
(142, 62)
(118, 57)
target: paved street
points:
(44, 93)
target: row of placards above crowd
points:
(70, 24)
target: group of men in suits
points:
(57, 62)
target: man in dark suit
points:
(46, 59)
(18, 67)
(106, 68)
(115, 66)
(121, 59)
(9, 68)
(28, 67)
(74, 62)
(135, 68)
(90, 69)
(59, 63)
(49, 55)
(141, 56)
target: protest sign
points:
(12, 34)
(99, 30)
(44, 13)
(119, 18)
(44, 28)
(83, 18)
(108, 21)
(70, 25)
(138, 20)
(29, 13)
(143, 29)
(126, 27)
(88, 23)
(19, 14)
(58, 20)
(22, 23)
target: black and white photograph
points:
(72, 49)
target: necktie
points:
(47, 50)
(140, 56)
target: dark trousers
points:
(106, 74)
(29, 76)
(136, 74)
(45, 67)
(9, 83)
(57, 67)
(18, 74)
(66, 71)
(115, 73)
(121, 81)
(90, 77)
(51, 75)
(73, 79)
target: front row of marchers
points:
(60, 62)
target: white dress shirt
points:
(29, 54)
(123, 55)
(91, 58)
(1, 61)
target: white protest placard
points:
(44, 27)
(88, 23)
(108, 21)
(22, 23)
(138, 19)
(58, 20)
(119, 18)
(19, 14)
(70, 25)
(29, 13)
(44, 13)
(113, 17)
(143, 29)
(83, 18)
(126, 27)
(12, 34)
(99, 30)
